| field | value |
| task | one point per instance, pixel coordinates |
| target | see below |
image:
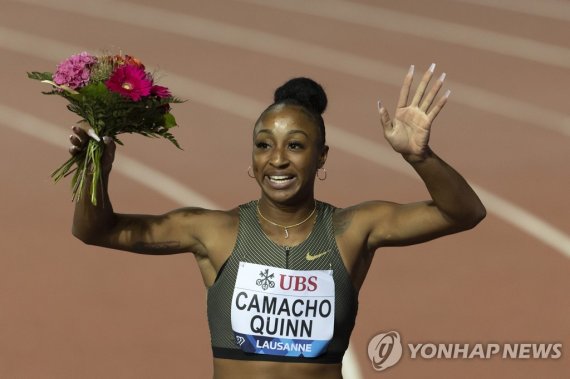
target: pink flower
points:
(160, 91)
(75, 71)
(130, 81)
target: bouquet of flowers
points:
(113, 94)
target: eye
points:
(294, 145)
(262, 145)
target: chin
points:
(289, 197)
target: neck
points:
(286, 214)
(295, 220)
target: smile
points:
(280, 181)
(280, 178)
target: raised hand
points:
(409, 131)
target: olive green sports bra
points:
(284, 304)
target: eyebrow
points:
(295, 131)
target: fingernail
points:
(411, 70)
(431, 67)
(447, 93)
(379, 105)
(91, 133)
(442, 77)
(106, 139)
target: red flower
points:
(130, 81)
(160, 91)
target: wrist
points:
(418, 158)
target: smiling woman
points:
(283, 272)
(289, 145)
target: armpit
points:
(342, 220)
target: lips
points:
(280, 181)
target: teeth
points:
(279, 178)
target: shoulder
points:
(357, 218)
(204, 226)
(353, 227)
(213, 232)
(192, 214)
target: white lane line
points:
(229, 102)
(555, 9)
(134, 170)
(500, 207)
(243, 106)
(424, 27)
(290, 49)
(139, 173)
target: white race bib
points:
(283, 312)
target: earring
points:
(324, 174)
(250, 175)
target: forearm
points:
(92, 223)
(450, 192)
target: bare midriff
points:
(237, 369)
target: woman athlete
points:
(283, 272)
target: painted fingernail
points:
(411, 70)
(442, 77)
(447, 93)
(431, 67)
(91, 133)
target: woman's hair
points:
(306, 94)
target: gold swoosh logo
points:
(310, 257)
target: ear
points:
(323, 156)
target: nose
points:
(279, 158)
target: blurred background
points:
(68, 310)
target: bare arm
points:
(453, 207)
(171, 233)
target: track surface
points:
(72, 311)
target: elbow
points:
(474, 217)
(83, 237)
(480, 213)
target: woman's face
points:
(287, 154)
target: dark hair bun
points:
(304, 91)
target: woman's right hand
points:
(79, 140)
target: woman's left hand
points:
(409, 131)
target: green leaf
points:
(96, 91)
(169, 121)
(40, 75)
(171, 138)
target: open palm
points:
(409, 131)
